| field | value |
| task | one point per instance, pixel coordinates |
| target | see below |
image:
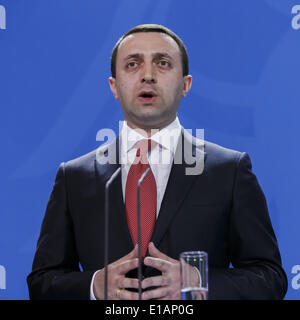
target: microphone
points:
(106, 228)
(139, 230)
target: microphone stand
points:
(106, 229)
(139, 230)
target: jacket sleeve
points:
(257, 272)
(55, 271)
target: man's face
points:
(149, 81)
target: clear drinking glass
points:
(194, 275)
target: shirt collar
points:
(166, 137)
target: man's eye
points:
(164, 63)
(131, 64)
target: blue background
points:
(54, 97)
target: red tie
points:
(147, 196)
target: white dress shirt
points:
(160, 159)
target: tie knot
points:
(143, 147)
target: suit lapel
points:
(180, 182)
(106, 163)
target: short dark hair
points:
(151, 28)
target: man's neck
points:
(148, 131)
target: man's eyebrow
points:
(159, 55)
(133, 56)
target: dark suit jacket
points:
(221, 211)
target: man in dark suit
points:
(204, 197)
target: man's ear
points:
(112, 84)
(187, 85)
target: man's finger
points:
(156, 293)
(123, 267)
(157, 281)
(128, 283)
(131, 255)
(157, 263)
(122, 294)
(154, 252)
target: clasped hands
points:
(167, 285)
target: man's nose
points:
(149, 74)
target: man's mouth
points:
(147, 96)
